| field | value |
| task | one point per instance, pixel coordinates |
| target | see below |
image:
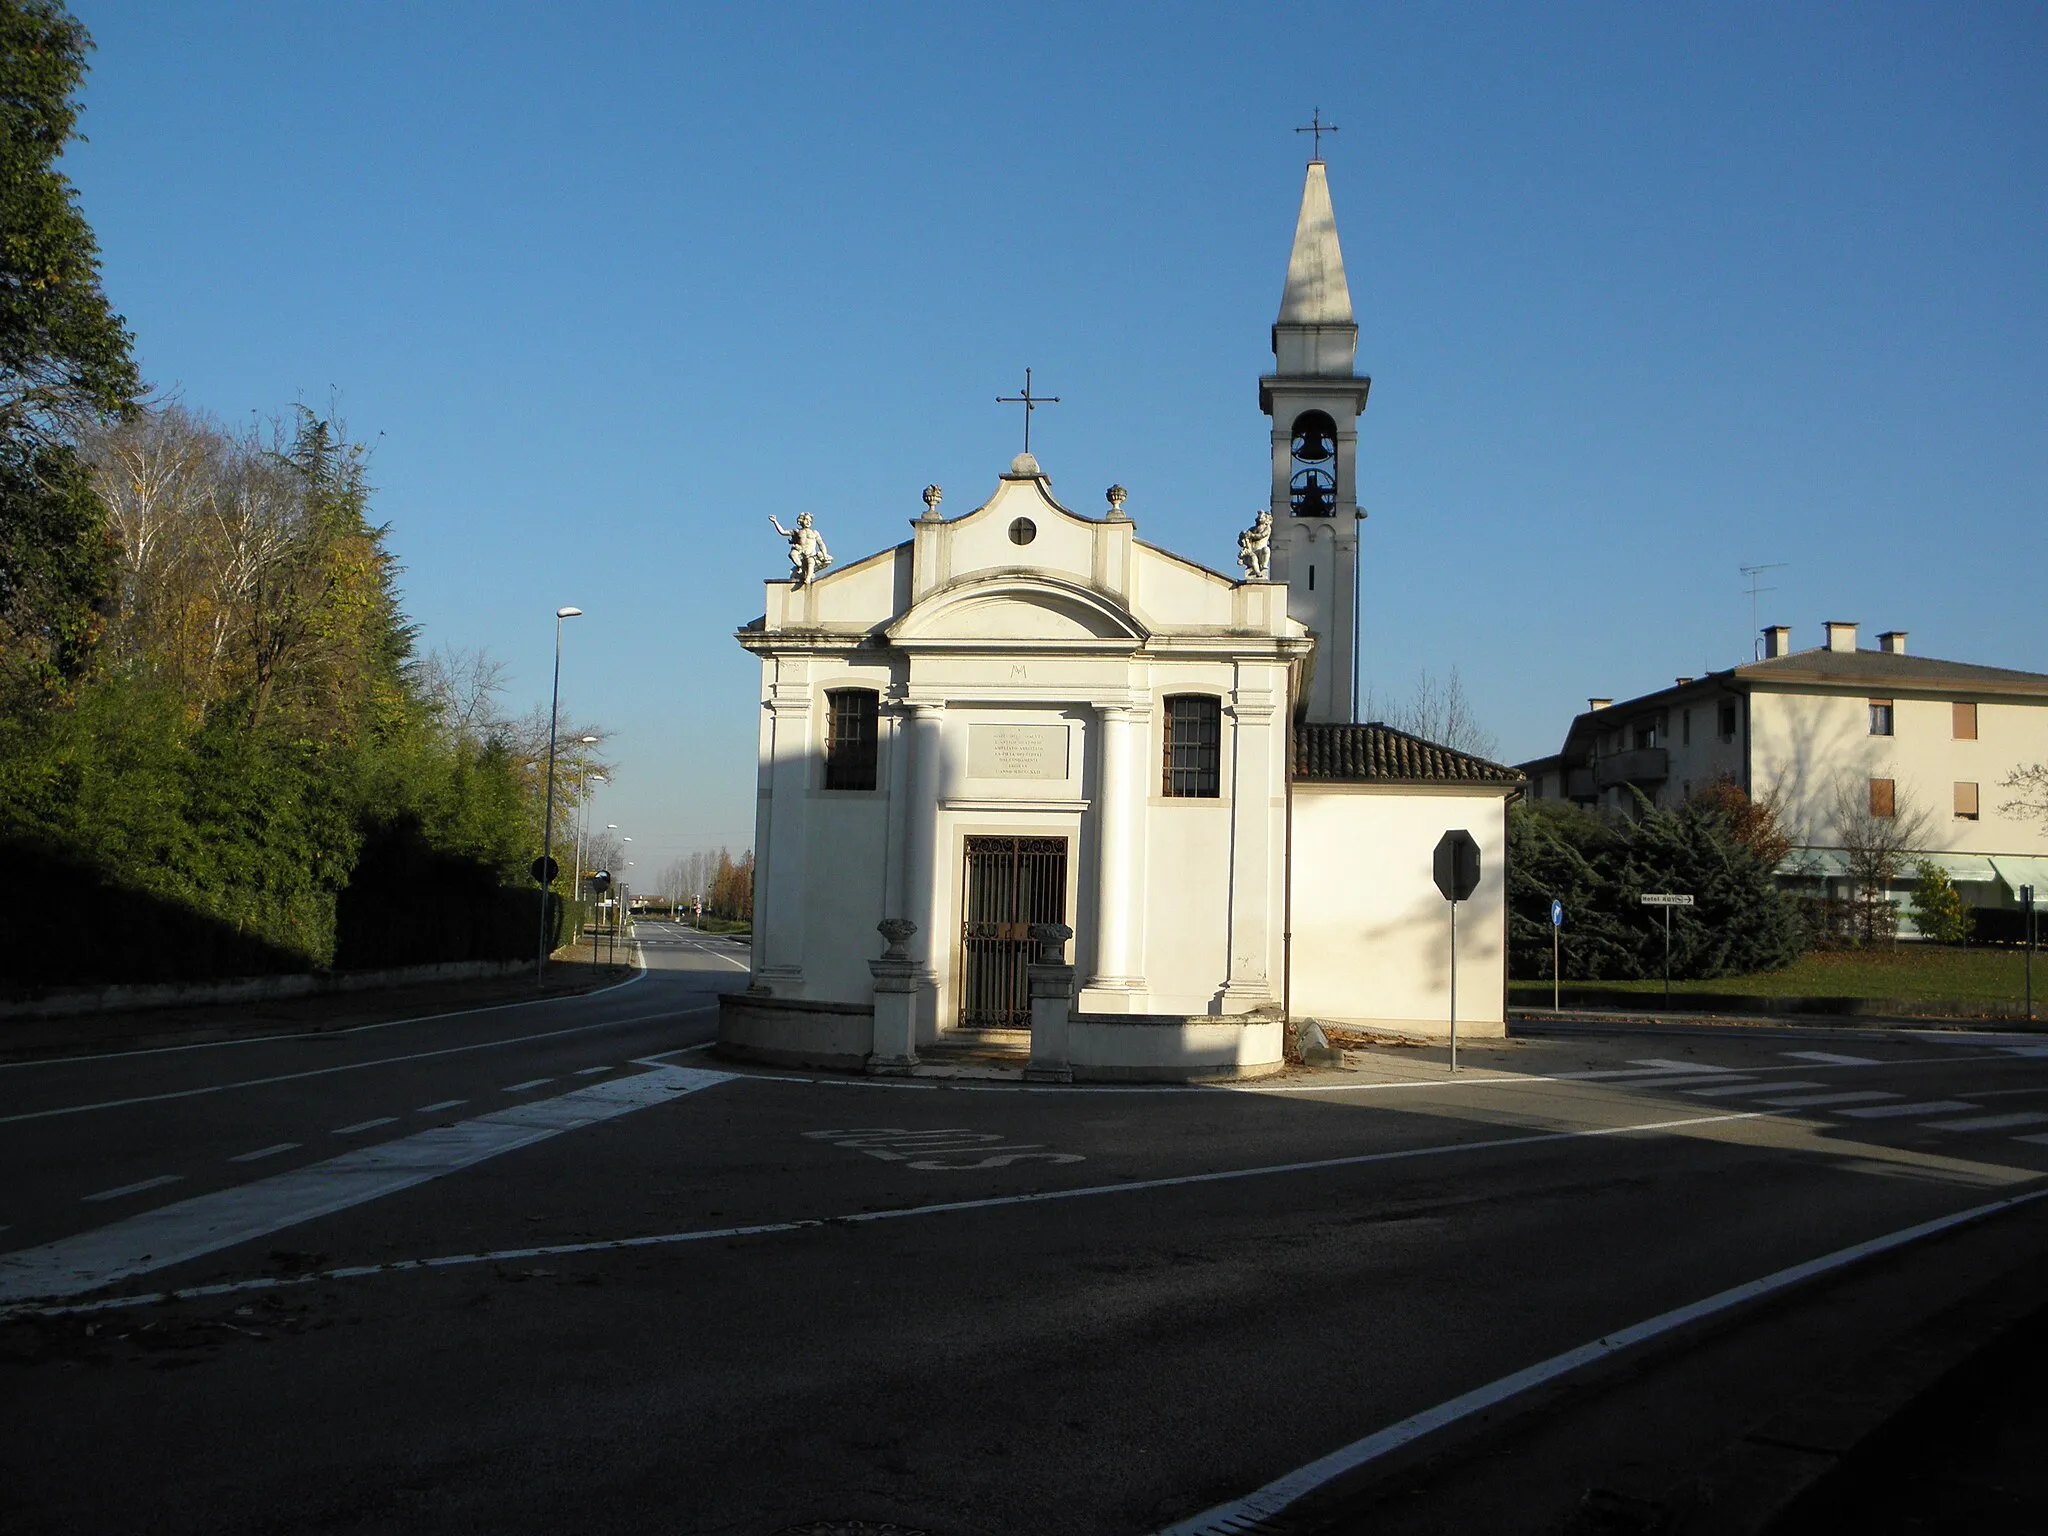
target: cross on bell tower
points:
(1315, 396)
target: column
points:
(924, 737)
(1253, 837)
(1119, 815)
(779, 929)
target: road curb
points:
(1610, 1025)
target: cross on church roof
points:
(1030, 402)
(1318, 127)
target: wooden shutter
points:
(1881, 797)
(1966, 801)
(1966, 721)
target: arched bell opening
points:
(1312, 487)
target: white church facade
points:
(1082, 786)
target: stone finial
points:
(1051, 939)
(1116, 495)
(898, 931)
(932, 495)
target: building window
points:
(1728, 722)
(1880, 717)
(1966, 802)
(850, 742)
(1646, 737)
(1685, 728)
(1194, 746)
(1966, 721)
(1883, 798)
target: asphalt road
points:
(551, 1269)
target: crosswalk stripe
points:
(1832, 1058)
(1892, 1111)
(1988, 1122)
(1742, 1088)
(1814, 1100)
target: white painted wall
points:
(1371, 932)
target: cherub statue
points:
(807, 552)
(1255, 547)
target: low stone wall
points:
(250, 989)
(793, 1032)
(1172, 1048)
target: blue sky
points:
(1647, 293)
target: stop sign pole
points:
(1455, 866)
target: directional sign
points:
(545, 870)
(1665, 899)
(1456, 864)
(1557, 914)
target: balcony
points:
(1578, 784)
(1645, 765)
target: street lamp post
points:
(583, 815)
(547, 832)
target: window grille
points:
(851, 738)
(1194, 747)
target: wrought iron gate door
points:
(1011, 883)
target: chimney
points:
(1777, 641)
(1841, 636)
(1597, 704)
(1892, 642)
(1683, 681)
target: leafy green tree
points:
(64, 362)
(1939, 911)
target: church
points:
(1029, 772)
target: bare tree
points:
(1438, 710)
(2029, 787)
(1877, 842)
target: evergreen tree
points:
(64, 362)
(1938, 908)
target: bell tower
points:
(1315, 396)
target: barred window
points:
(1194, 746)
(850, 739)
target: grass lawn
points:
(1914, 972)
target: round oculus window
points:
(1023, 531)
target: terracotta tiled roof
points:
(1380, 754)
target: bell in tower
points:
(1315, 396)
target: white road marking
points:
(1988, 1123)
(1743, 1088)
(2026, 1050)
(529, 1084)
(1888, 1111)
(1690, 1079)
(926, 1150)
(365, 1125)
(436, 1108)
(1663, 1064)
(137, 1187)
(1831, 1059)
(1247, 1513)
(2039, 1141)
(262, 1152)
(356, 1066)
(1813, 1100)
(51, 1278)
(190, 1229)
(591, 1071)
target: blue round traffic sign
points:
(1557, 914)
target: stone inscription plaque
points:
(1016, 751)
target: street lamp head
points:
(568, 613)
(587, 740)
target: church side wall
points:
(1371, 931)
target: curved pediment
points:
(1018, 610)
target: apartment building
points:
(1896, 733)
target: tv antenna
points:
(1753, 572)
